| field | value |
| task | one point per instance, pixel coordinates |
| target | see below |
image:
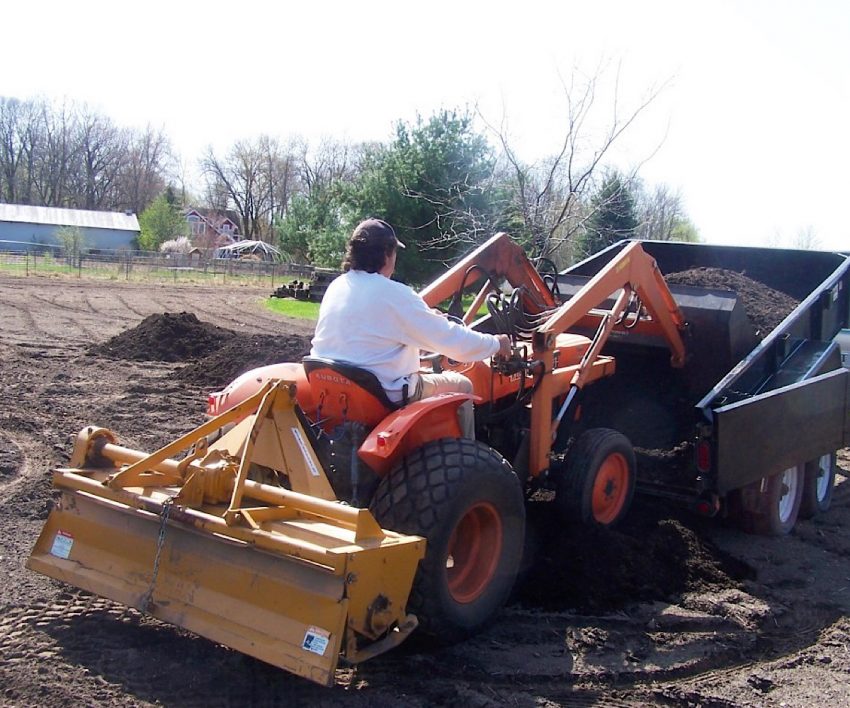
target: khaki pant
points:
(425, 385)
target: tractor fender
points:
(250, 382)
(410, 427)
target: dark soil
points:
(765, 307)
(665, 609)
(10, 457)
(650, 557)
(166, 337)
(213, 355)
(241, 354)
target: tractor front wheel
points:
(465, 499)
(598, 483)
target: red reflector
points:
(704, 508)
(211, 404)
(382, 441)
(703, 456)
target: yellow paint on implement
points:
(289, 576)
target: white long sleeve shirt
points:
(378, 324)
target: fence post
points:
(80, 265)
(27, 261)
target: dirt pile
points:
(241, 354)
(213, 355)
(165, 337)
(765, 307)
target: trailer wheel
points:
(817, 485)
(465, 499)
(599, 480)
(779, 503)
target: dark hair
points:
(371, 243)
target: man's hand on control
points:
(504, 345)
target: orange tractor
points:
(410, 465)
(311, 518)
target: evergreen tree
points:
(613, 216)
(431, 184)
(162, 221)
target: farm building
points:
(211, 228)
(24, 227)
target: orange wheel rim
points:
(610, 488)
(474, 550)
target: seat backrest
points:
(345, 392)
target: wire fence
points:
(150, 267)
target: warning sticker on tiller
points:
(308, 458)
(316, 640)
(63, 542)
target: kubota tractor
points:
(311, 517)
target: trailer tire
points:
(778, 505)
(598, 483)
(465, 499)
(818, 484)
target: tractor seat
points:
(344, 392)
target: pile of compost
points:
(172, 337)
(764, 306)
(243, 353)
(213, 355)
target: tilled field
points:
(669, 609)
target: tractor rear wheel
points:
(598, 484)
(818, 484)
(465, 499)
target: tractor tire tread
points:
(416, 498)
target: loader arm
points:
(499, 257)
(638, 284)
(642, 301)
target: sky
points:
(750, 120)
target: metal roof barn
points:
(24, 227)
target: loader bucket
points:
(288, 577)
(718, 331)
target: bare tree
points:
(332, 162)
(662, 214)
(19, 136)
(806, 239)
(255, 178)
(100, 149)
(63, 155)
(551, 197)
(142, 174)
(53, 167)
